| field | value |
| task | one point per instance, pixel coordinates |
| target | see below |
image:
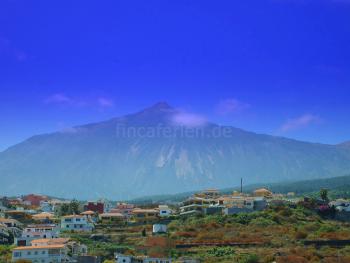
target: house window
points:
(43, 252)
(29, 253)
(17, 254)
(36, 253)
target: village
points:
(41, 229)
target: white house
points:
(75, 248)
(164, 211)
(107, 206)
(10, 222)
(3, 209)
(159, 228)
(76, 223)
(41, 254)
(5, 235)
(33, 232)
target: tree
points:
(74, 207)
(64, 210)
(324, 194)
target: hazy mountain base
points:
(95, 160)
(338, 187)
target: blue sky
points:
(280, 67)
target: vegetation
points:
(5, 253)
(68, 209)
(276, 234)
(324, 194)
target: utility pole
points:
(241, 185)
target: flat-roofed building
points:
(41, 254)
(145, 215)
(40, 231)
(79, 223)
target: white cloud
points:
(59, 98)
(189, 119)
(230, 106)
(105, 102)
(300, 122)
(62, 99)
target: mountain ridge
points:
(345, 144)
(96, 160)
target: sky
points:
(279, 67)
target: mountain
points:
(159, 150)
(345, 144)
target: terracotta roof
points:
(8, 220)
(73, 216)
(16, 212)
(43, 215)
(262, 190)
(145, 211)
(112, 215)
(50, 241)
(42, 226)
(59, 246)
(88, 213)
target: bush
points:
(327, 229)
(244, 218)
(249, 258)
(221, 251)
(301, 234)
(262, 222)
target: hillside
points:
(335, 185)
(114, 159)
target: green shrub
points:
(262, 222)
(248, 258)
(221, 251)
(327, 229)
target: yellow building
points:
(112, 218)
(209, 194)
(262, 192)
(44, 216)
(145, 215)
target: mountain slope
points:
(139, 155)
(345, 144)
